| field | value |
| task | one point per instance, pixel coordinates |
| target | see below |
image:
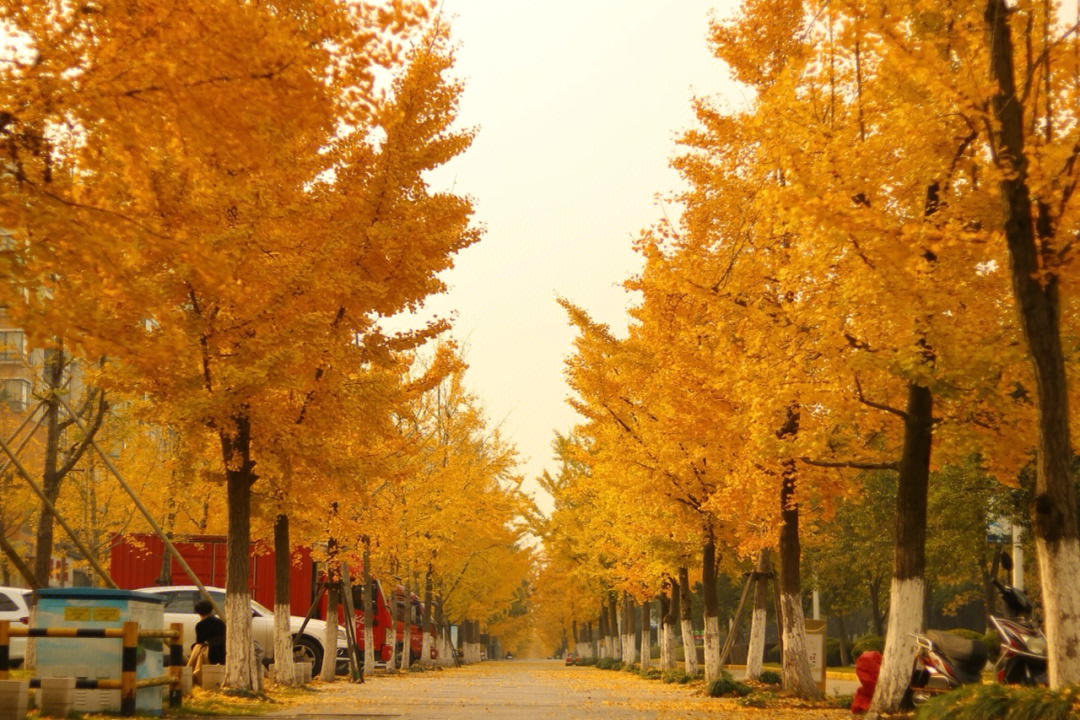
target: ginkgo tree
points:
(228, 226)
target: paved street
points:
(526, 690)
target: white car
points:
(15, 608)
(180, 607)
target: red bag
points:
(867, 668)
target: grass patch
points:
(759, 699)
(677, 676)
(239, 704)
(650, 674)
(587, 661)
(997, 702)
(727, 686)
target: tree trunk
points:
(845, 645)
(907, 593)
(368, 610)
(589, 634)
(796, 661)
(427, 628)
(330, 636)
(284, 670)
(646, 635)
(406, 642)
(712, 609)
(240, 671)
(687, 623)
(1053, 510)
(670, 621)
(666, 662)
(53, 376)
(875, 607)
(630, 647)
(601, 632)
(613, 626)
(756, 653)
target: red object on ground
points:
(867, 668)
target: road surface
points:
(526, 690)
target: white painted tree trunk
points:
(284, 669)
(617, 637)
(646, 642)
(425, 651)
(756, 655)
(660, 642)
(630, 649)
(330, 638)
(1059, 568)
(369, 646)
(240, 671)
(758, 620)
(689, 648)
(668, 656)
(906, 599)
(796, 662)
(712, 649)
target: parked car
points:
(15, 608)
(180, 607)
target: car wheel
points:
(306, 649)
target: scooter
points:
(1023, 659)
(946, 661)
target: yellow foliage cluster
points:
(841, 240)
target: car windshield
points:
(261, 609)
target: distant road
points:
(525, 690)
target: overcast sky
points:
(578, 104)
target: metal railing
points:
(129, 635)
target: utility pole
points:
(1017, 557)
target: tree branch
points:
(852, 464)
(876, 405)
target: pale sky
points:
(578, 105)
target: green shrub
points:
(840, 701)
(866, 643)
(999, 702)
(616, 665)
(833, 658)
(677, 676)
(758, 699)
(727, 686)
(770, 677)
(589, 661)
(650, 674)
(604, 663)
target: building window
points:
(15, 393)
(12, 345)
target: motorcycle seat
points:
(968, 656)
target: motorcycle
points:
(1023, 659)
(946, 661)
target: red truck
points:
(136, 561)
